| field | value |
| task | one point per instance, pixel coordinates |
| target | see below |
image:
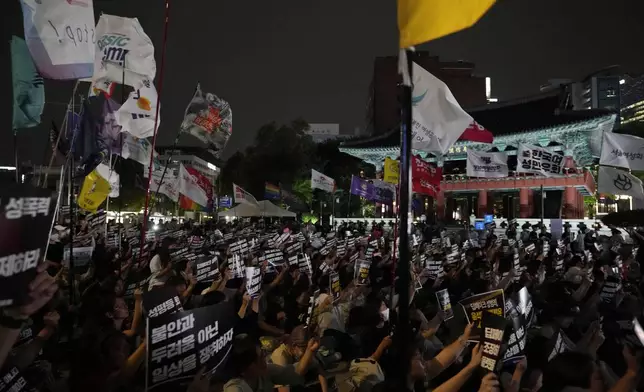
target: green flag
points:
(28, 87)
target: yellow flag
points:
(392, 171)
(425, 20)
(94, 192)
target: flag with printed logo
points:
(209, 119)
(487, 164)
(619, 182)
(137, 115)
(28, 87)
(391, 171)
(320, 181)
(625, 151)
(240, 196)
(60, 36)
(123, 52)
(190, 187)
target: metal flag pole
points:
(156, 123)
(402, 332)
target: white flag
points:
(111, 176)
(438, 119)
(137, 149)
(61, 37)
(619, 182)
(487, 164)
(122, 41)
(320, 181)
(137, 114)
(538, 160)
(243, 197)
(623, 151)
(169, 187)
(189, 187)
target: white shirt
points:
(155, 268)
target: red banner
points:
(423, 187)
(423, 171)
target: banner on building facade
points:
(538, 160)
(619, 182)
(487, 164)
(320, 181)
(625, 151)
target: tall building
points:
(199, 158)
(383, 107)
(632, 99)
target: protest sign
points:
(304, 264)
(240, 247)
(208, 270)
(611, 286)
(25, 221)
(445, 304)
(517, 340)
(293, 248)
(556, 345)
(312, 301)
(160, 301)
(82, 256)
(132, 285)
(474, 306)
(525, 306)
(13, 381)
(254, 281)
(493, 327)
(180, 344)
(362, 277)
(274, 257)
(334, 286)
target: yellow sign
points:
(392, 171)
(94, 192)
(425, 20)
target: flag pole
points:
(402, 332)
(156, 123)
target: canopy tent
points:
(263, 208)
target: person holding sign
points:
(251, 373)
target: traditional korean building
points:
(545, 120)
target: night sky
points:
(283, 59)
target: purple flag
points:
(361, 188)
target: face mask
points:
(385, 314)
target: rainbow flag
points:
(271, 192)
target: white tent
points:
(263, 208)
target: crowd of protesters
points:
(325, 321)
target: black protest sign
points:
(354, 257)
(13, 381)
(445, 304)
(178, 254)
(525, 306)
(369, 253)
(435, 269)
(476, 305)
(96, 221)
(282, 239)
(160, 301)
(293, 248)
(274, 257)
(132, 285)
(324, 267)
(304, 264)
(556, 345)
(334, 286)
(492, 330)
(517, 340)
(611, 287)
(341, 250)
(351, 243)
(180, 344)
(237, 267)
(362, 277)
(309, 314)
(254, 281)
(208, 270)
(25, 220)
(239, 247)
(196, 242)
(293, 260)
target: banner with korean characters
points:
(208, 269)
(12, 380)
(160, 301)
(445, 304)
(26, 215)
(474, 306)
(492, 331)
(538, 160)
(180, 344)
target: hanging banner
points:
(181, 343)
(538, 160)
(391, 171)
(26, 214)
(61, 37)
(474, 306)
(625, 151)
(137, 115)
(209, 119)
(123, 53)
(94, 192)
(487, 164)
(361, 187)
(320, 181)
